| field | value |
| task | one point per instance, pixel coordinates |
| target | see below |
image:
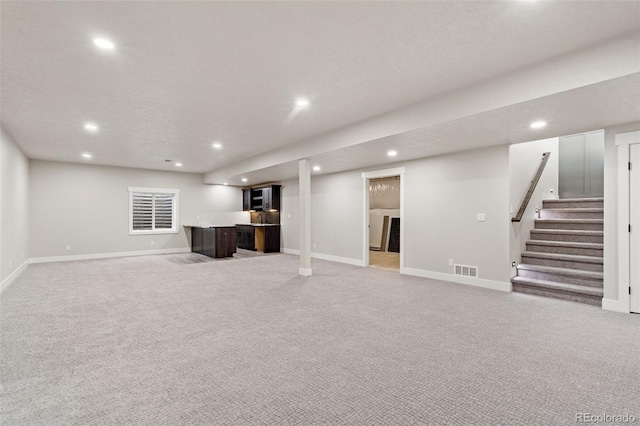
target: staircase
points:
(563, 258)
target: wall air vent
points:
(465, 270)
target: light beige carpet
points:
(151, 341)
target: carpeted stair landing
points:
(563, 258)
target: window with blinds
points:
(153, 210)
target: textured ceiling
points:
(602, 105)
(185, 74)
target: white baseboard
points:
(476, 282)
(615, 306)
(107, 255)
(339, 259)
(305, 272)
(347, 260)
(15, 274)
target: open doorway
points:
(383, 219)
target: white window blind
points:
(153, 210)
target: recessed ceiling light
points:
(244, 179)
(316, 168)
(225, 183)
(103, 43)
(302, 102)
(91, 127)
(538, 124)
(178, 164)
(86, 155)
(392, 153)
(217, 145)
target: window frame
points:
(154, 191)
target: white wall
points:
(442, 196)
(336, 205)
(14, 207)
(524, 160)
(611, 207)
(86, 207)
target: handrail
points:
(532, 187)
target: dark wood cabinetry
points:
(214, 242)
(261, 199)
(265, 238)
(246, 200)
(270, 238)
(245, 237)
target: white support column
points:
(304, 176)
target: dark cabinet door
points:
(224, 242)
(274, 198)
(246, 237)
(246, 200)
(250, 238)
(271, 239)
(196, 240)
(266, 198)
(209, 242)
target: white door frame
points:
(623, 140)
(398, 171)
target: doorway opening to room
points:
(383, 219)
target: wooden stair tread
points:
(566, 244)
(550, 285)
(571, 220)
(566, 257)
(575, 200)
(568, 231)
(579, 273)
(576, 210)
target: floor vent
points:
(466, 270)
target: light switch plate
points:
(480, 217)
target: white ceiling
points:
(185, 74)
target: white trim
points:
(396, 171)
(108, 255)
(628, 138)
(154, 190)
(339, 259)
(174, 210)
(476, 282)
(383, 173)
(12, 276)
(615, 306)
(329, 257)
(305, 272)
(365, 220)
(623, 224)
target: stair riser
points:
(559, 278)
(577, 226)
(568, 264)
(559, 214)
(554, 204)
(568, 238)
(565, 250)
(574, 297)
